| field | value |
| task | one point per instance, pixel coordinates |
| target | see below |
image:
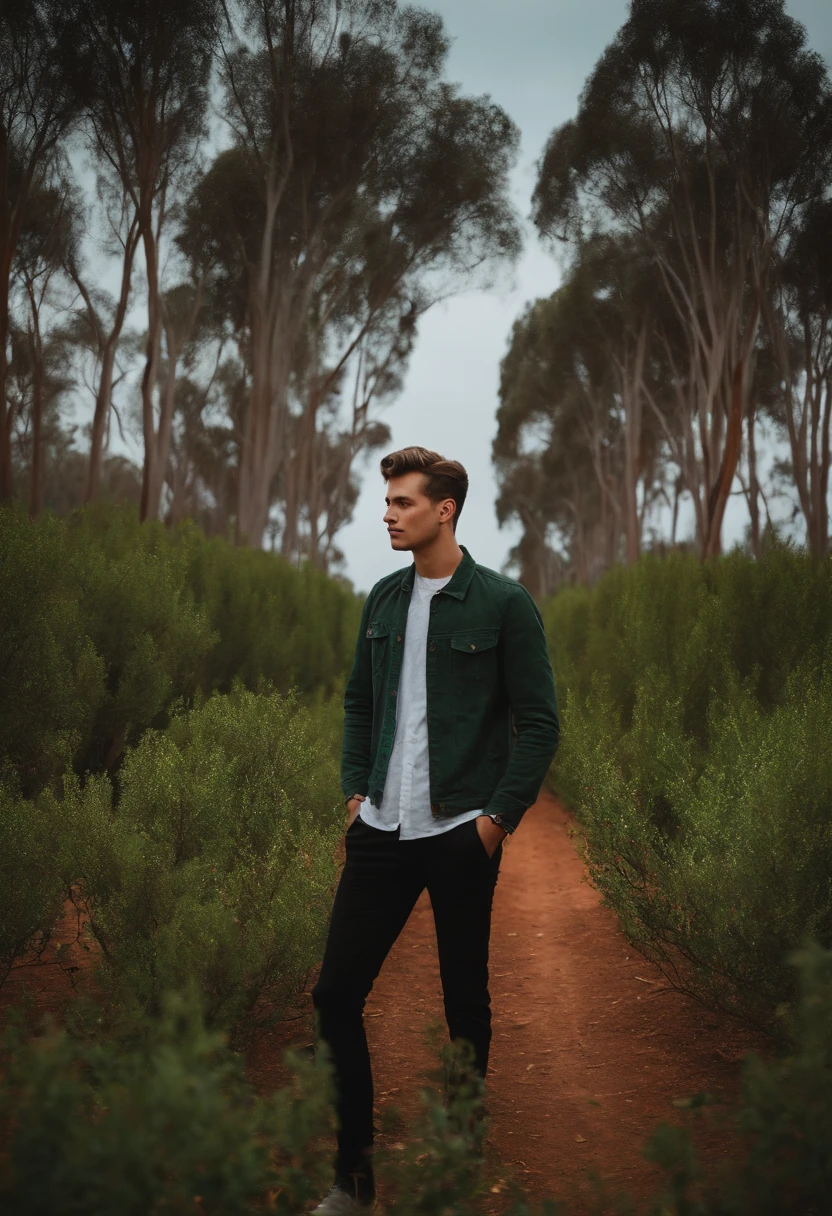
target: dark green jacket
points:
(492, 713)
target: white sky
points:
(533, 57)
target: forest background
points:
(174, 643)
(446, 390)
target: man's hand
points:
(490, 833)
(353, 807)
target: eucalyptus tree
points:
(50, 231)
(151, 66)
(356, 173)
(335, 423)
(556, 451)
(704, 131)
(578, 378)
(100, 318)
(800, 327)
(42, 82)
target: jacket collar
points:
(460, 579)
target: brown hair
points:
(442, 478)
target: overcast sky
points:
(533, 57)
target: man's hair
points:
(442, 478)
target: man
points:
(450, 726)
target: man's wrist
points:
(497, 818)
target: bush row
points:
(697, 756)
(212, 870)
(169, 1125)
(107, 625)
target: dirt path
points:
(590, 1047)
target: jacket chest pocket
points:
(474, 656)
(378, 633)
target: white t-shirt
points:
(406, 801)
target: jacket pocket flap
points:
(474, 640)
(377, 629)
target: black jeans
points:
(381, 881)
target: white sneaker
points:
(338, 1203)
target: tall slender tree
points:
(42, 82)
(151, 67)
(799, 321)
(354, 165)
(704, 130)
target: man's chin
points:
(399, 542)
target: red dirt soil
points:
(591, 1047)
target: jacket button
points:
(441, 806)
(369, 633)
(473, 647)
(432, 646)
(399, 638)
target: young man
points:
(450, 727)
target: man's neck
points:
(438, 560)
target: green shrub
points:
(165, 1126)
(31, 891)
(294, 628)
(697, 754)
(165, 1123)
(107, 625)
(783, 1123)
(217, 868)
(51, 676)
(139, 613)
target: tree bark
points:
(108, 349)
(36, 470)
(753, 482)
(719, 492)
(152, 476)
(6, 475)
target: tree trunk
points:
(152, 473)
(677, 492)
(753, 482)
(718, 496)
(6, 477)
(103, 397)
(632, 394)
(817, 525)
(36, 472)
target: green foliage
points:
(168, 1125)
(164, 1122)
(31, 891)
(51, 677)
(107, 625)
(137, 608)
(216, 869)
(784, 1120)
(292, 627)
(698, 757)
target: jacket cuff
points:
(354, 787)
(506, 811)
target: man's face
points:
(412, 520)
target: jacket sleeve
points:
(356, 744)
(530, 683)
